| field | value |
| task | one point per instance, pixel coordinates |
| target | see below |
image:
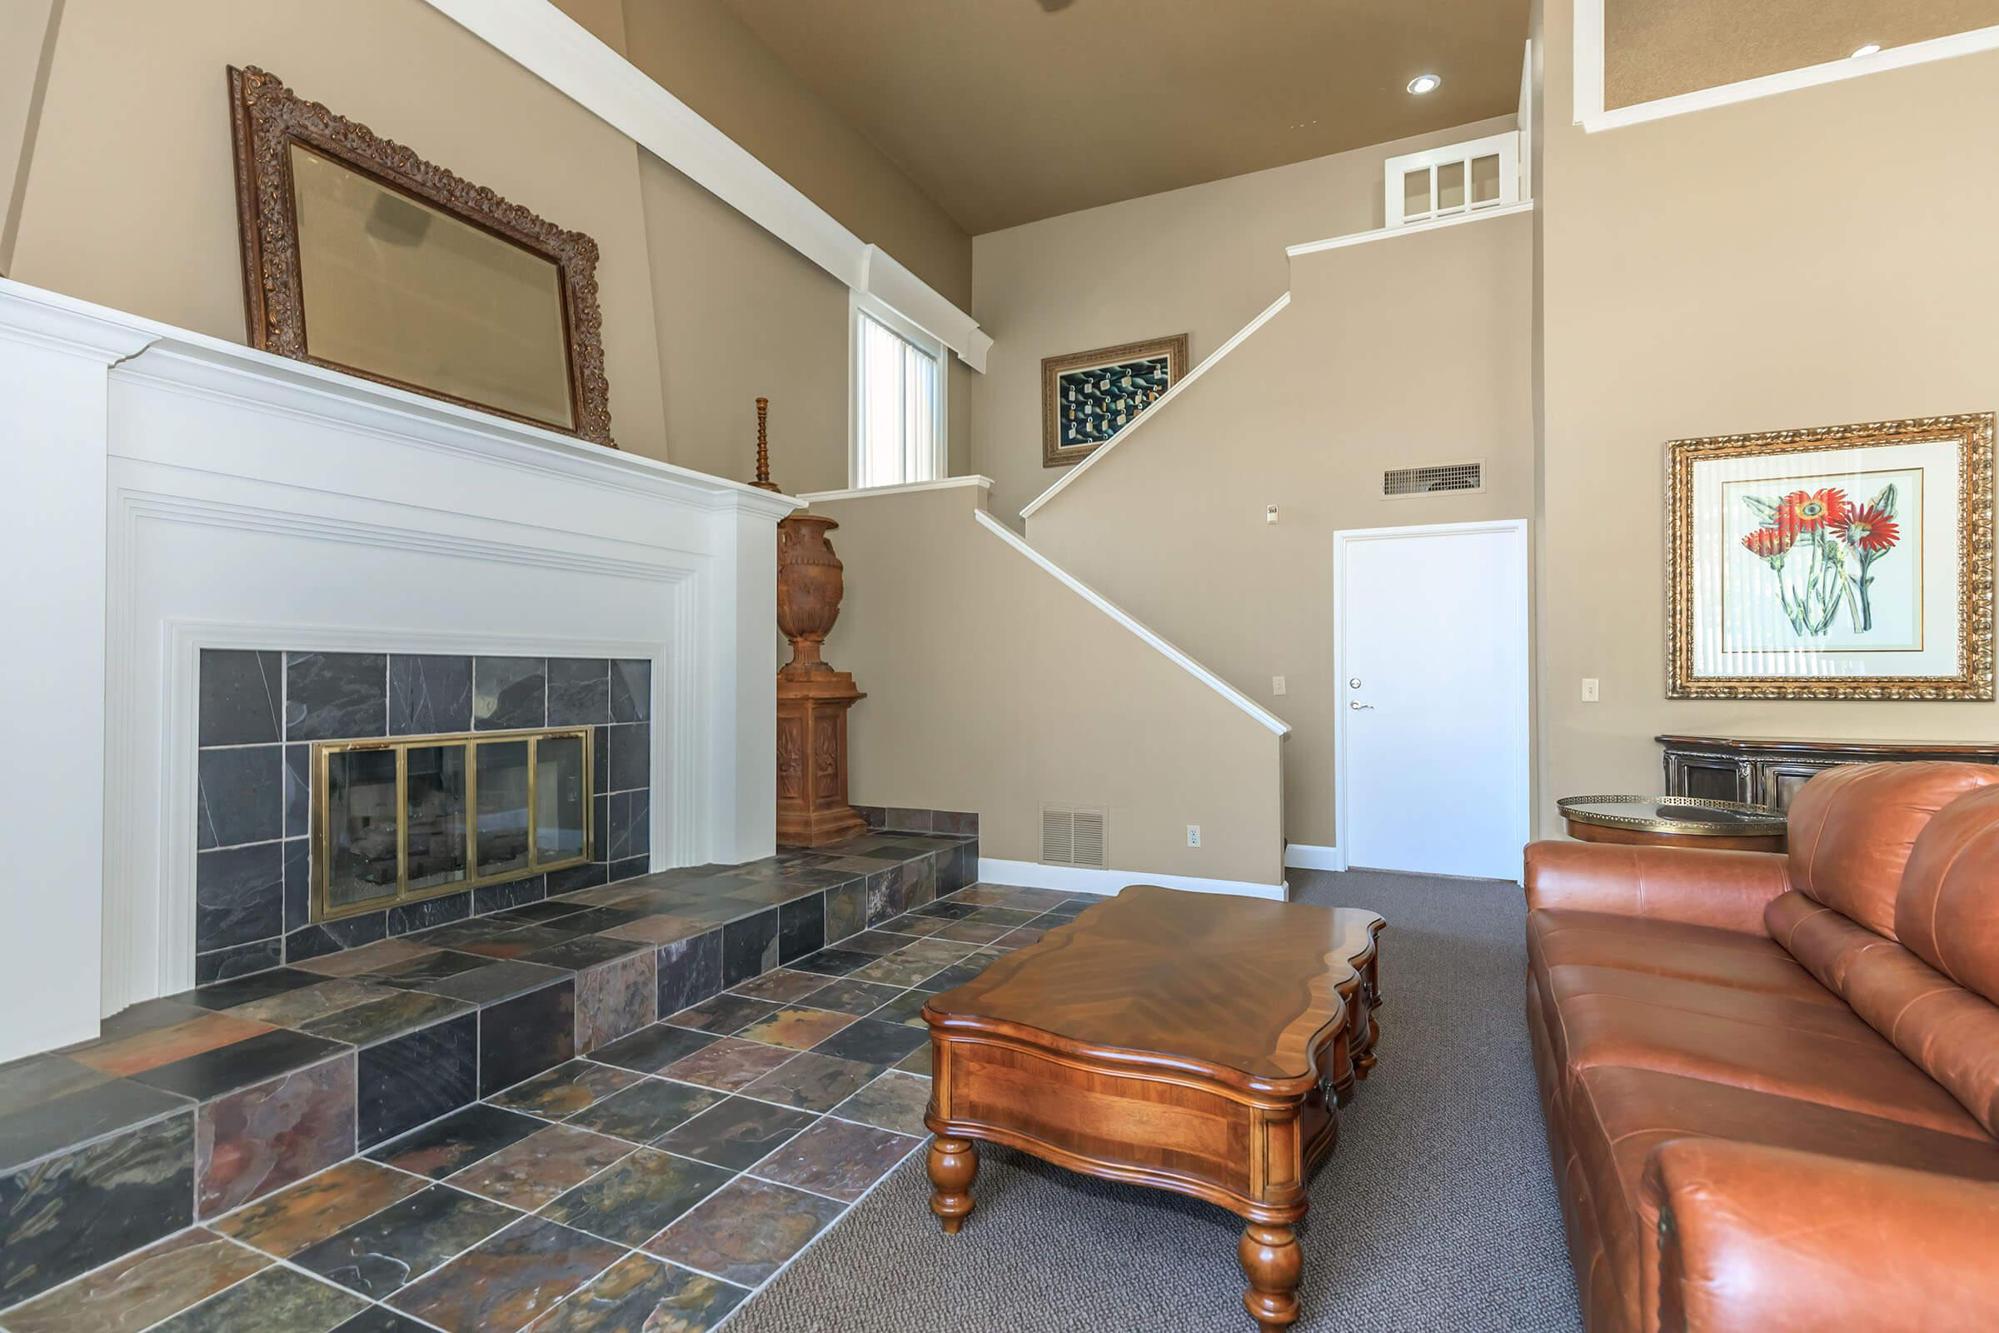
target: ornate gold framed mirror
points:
(360, 256)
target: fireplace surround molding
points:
(175, 492)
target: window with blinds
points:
(899, 421)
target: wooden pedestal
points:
(812, 807)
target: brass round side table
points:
(1673, 821)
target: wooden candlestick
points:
(763, 481)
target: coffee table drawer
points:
(1149, 1124)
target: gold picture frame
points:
(360, 256)
(1773, 542)
(1088, 397)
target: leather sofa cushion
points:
(1852, 830)
(1951, 1032)
(1617, 1116)
(1664, 948)
(1948, 909)
(1818, 1011)
(1854, 1069)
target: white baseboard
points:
(1078, 879)
(1311, 856)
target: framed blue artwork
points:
(1087, 397)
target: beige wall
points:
(1200, 261)
(993, 687)
(742, 314)
(1393, 354)
(27, 28)
(710, 61)
(1817, 257)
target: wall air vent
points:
(1072, 836)
(1401, 482)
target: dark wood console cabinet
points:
(1769, 771)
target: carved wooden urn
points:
(812, 698)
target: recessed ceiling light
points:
(1425, 83)
(1871, 49)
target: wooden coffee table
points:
(1187, 1041)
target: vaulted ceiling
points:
(1005, 111)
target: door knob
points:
(1354, 683)
(1358, 706)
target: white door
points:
(1431, 646)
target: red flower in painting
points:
(1770, 542)
(1872, 530)
(1801, 511)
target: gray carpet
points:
(1436, 1211)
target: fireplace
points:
(345, 798)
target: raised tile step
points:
(192, 1105)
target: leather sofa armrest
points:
(1727, 890)
(1759, 1238)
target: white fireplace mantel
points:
(171, 492)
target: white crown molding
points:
(1591, 115)
(569, 58)
(1276, 725)
(1173, 391)
(941, 484)
(1082, 879)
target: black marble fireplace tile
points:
(241, 796)
(298, 790)
(239, 895)
(801, 927)
(65, 1216)
(509, 692)
(749, 947)
(430, 912)
(242, 697)
(253, 1060)
(630, 868)
(579, 691)
(335, 696)
(411, 1080)
(238, 960)
(690, 971)
(631, 757)
(631, 690)
(600, 825)
(519, 1038)
(429, 693)
(327, 937)
(577, 878)
(631, 825)
(600, 759)
(298, 884)
(490, 898)
(247, 990)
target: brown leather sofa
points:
(1771, 1082)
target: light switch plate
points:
(1589, 689)
(1277, 684)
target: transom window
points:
(898, 399)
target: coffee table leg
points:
(1273, 1263)
(954, 1165)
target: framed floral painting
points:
(1841, 562)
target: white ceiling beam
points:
(569, 58)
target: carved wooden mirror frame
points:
(267, 118)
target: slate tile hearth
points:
(681, 1164)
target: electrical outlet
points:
(1589, 689)
(1193, 835)
(1277, 684)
